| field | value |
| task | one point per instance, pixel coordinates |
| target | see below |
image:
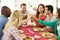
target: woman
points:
(11, 31)
(40, 14)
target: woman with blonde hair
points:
(11, 31)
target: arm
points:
(47, 23)
(25, 21)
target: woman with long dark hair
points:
(40, 12)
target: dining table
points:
(35, 33)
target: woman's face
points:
(40, 9)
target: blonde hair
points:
(15, 18)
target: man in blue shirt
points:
(5, 13)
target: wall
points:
(15, 4)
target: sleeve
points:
(47, 23)
(4, 23)
(14, 31)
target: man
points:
(23, 10)
(49, 12)
(5, 13)
(50, 16)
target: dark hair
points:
(23, 4)
(37, 15)
(3, 9)
(50, 7)
(58, 11)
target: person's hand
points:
(30, 15)
(35, 18)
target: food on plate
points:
(21, 31)
(27, 38)
(37, 36)
(40, 29)
(47, 35)
(35, 29)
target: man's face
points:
(23, 8)
(46, 10)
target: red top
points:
(43, 17)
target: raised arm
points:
(47, 23)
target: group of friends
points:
(44, 18)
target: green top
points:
(53, 24)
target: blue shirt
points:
(3, 21)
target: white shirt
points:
(52, 19)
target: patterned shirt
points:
(12, 33)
